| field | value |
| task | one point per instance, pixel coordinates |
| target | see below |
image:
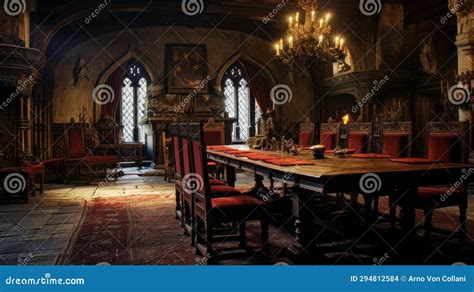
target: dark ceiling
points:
(58, 21)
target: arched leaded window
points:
(134, 91)
(239, 103)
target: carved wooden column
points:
(464, 10)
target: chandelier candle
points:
(308, 40)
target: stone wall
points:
(148, 45)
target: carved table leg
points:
(407, 214)
(300, 250)
(230, 175)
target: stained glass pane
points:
(244, 109)
(142, 90)
(127, 110)
(229, 93)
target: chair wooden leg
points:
(209, 240)
(376, 208)
(242, 235)
(178, 203)
(193, 225)
(463, 221)
(264, 223)
(393, 212)
(41, 183)
(428, 213)
(199, 239)
(33, 185)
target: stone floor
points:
(35, 233)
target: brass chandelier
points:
(311, 38)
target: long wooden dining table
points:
(340, 175)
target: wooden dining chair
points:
(214, 134)
(446, 142)
(306, 133)
(396, 138)
(359, 137)
(189, 180)
(79, 158)
(216, 205)
(329, 135)
(178, 166)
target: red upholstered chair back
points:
(177, 151)
(306, 135)
(396, 138)
(359, 137)
(75, 145)
(199, 155)
(329, 135)
(447, 142)
(214, 133)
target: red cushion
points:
(224, 191)
(186, 158)
(413, 160)
(358, 142)
(211, 163)
(53, 162)
(76, 141)
(216, 182)
(370, 155)
(442, 147)
(95, 159)
(237, 201)
(392, 144)
(31, 170)
(328, 140)
(198, 162)
(436, 191)
(306, 138)
(213, 137)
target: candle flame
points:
(345, 119)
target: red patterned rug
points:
(132, 230)
(142, 230)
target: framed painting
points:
(187, 69)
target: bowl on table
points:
(318, 151)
